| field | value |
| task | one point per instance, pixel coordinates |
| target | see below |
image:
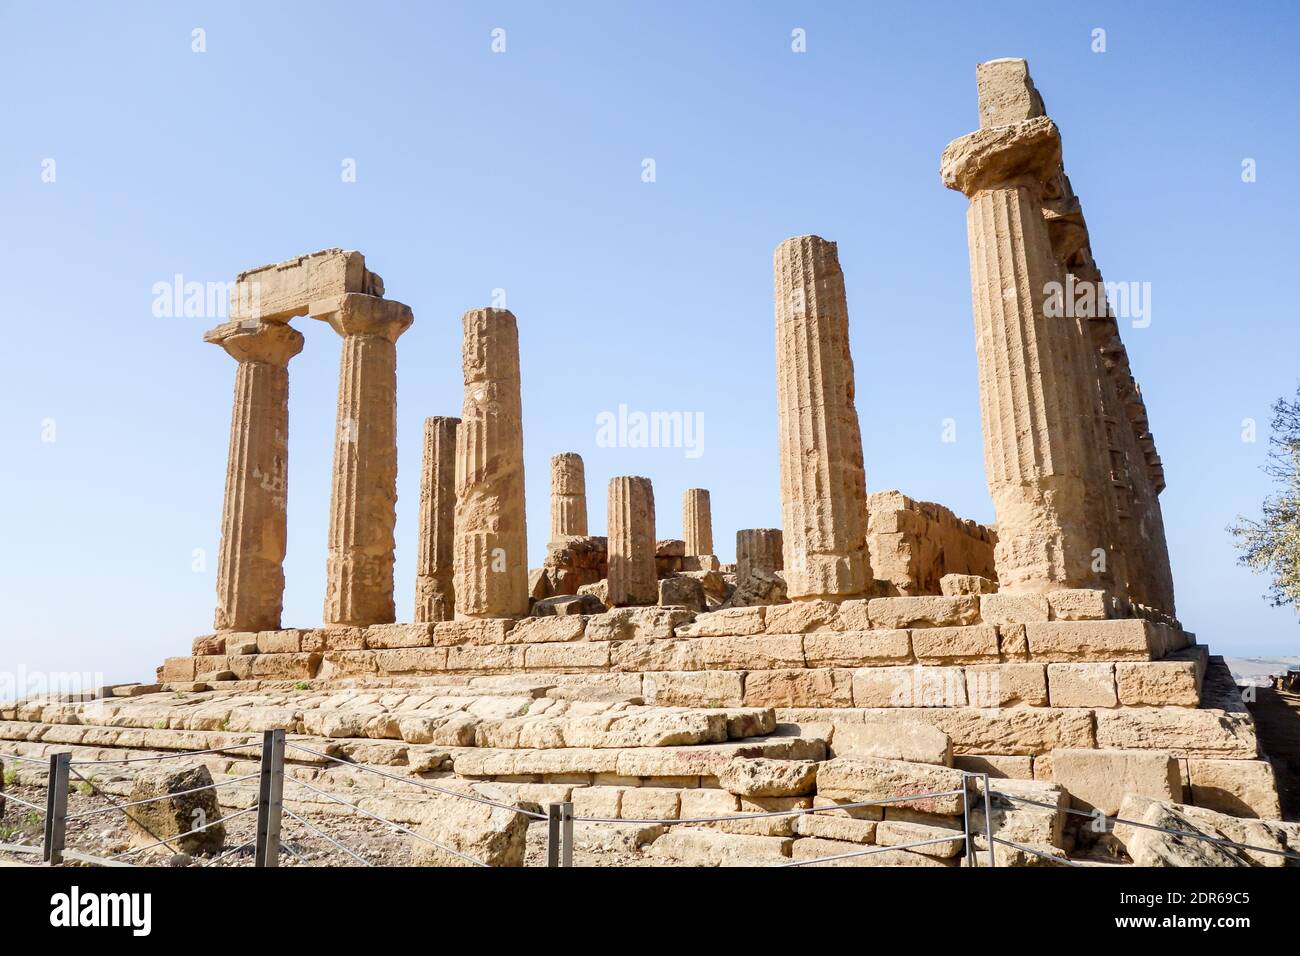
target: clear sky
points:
(522, 170)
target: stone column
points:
(823, 484)
(568, 496)
(697, 521)
(758, 549)
(250, 566)
(632, 578)
(363, 502)
(490, 557)
(1033, 455)
(434, 595)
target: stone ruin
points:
(873, 645)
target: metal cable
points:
(206, 826)
(329, 839)
(1046, 856)
(420, 783)
(1148, 826)
(771, 813)
(242, 846)
(40, 760)
(255, 745)
(875, 849)
(165, 796)
(407, 830)
(294, 853)
(21, 802)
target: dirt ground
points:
(1277, 722)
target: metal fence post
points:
(56, 808)
(270, 802)
(566, 834)
(988, 820)
(965, 817)
(553, 815)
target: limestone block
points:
(1100, 779)
(1082, 685)
(1242, 788)
(480, 631)
(488, 834)
(1182, 731)
(912, 687)
(682, 591)
(913, 741)
(815, 848)
(1158, 683)
(575, 656)
(644, 656)
(625, 624)
(412, 660)
(856, 648)
(484, 659)
(874, 778)
(381, 636)
(1003, 766)
(955, 585)
(760, 777)
(1012, 642)
(1006, 93)
(1007, 685)
(1079, 604)
(701, 847)
(209, 644)
(600, 802)
(177, 669)
(955, 645)
(1021, 822)
(285, 666)
(802, 687)
(897, 833)
(693, 688)
(547, 630)
(1152, 847)
(925, 611)
(735, 622)
(777, 826)
(1014, 608)
(709, 759)
(707, 802)
(568, 605)
(830, 827)
(178, 812)
(760, 652)
(1119, 640)
(802, 617)
(283, 290)
(650, 803)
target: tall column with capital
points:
(250, 565)
(1034, 458)
(363, 502)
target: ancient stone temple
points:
(875, 648)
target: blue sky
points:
(521, 171)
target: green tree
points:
(1272, 544)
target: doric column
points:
(632, 578)
(758, 549)
(434, 595)
(250, 566)
(823, 484)
(697, 521)
(359, 569)
(568, 496)
(1029, 407)
(490, 556)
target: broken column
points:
(568, 496)
(434, 595)
(359, 569)
(1034, 457)
(823, 483)
(250, 565)
(632, 578)
(758, 550)
(490, 556)
(697, 521)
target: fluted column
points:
(434, 594)
(758, 549)
(490, 556)
(250, 565)
(363, 502)
(697, 521)
(632, 578)
(1033, 455)
(823, 483)
(568, 496)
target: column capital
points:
(355, 313)
(250, 340)
(1025, 153)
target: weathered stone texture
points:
(568, 496)
(632, 578)
(697, 521)
(434, 594)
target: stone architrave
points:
(434, 594)
(250, 564)
(823, 483)
(363, 501)
(490, 555)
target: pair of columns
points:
(359, 569)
